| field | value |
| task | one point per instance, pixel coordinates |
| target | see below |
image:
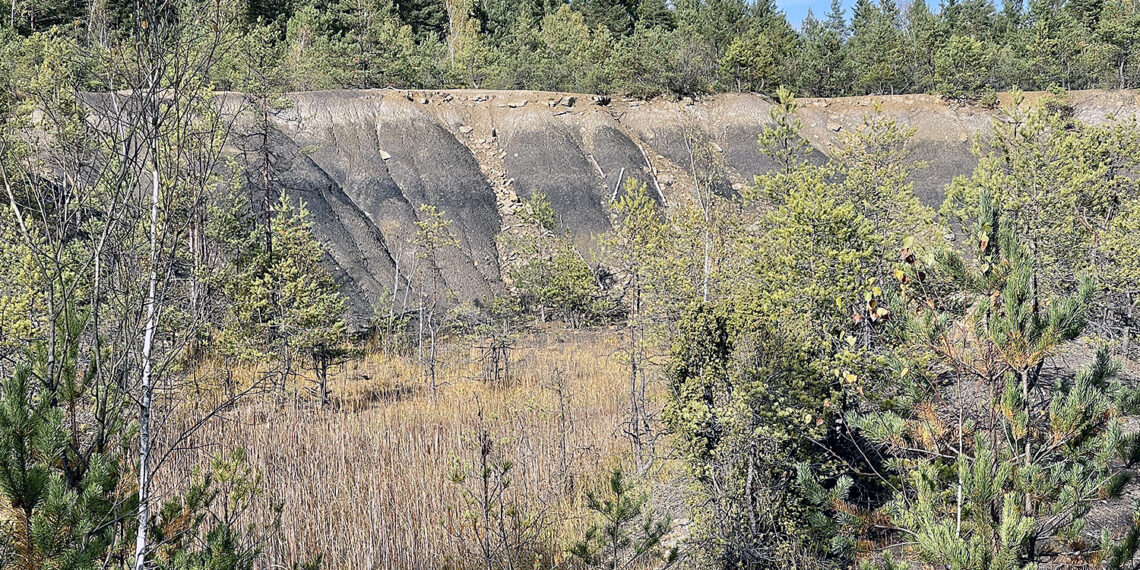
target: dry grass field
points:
(368, 481)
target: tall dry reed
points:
(367, 481)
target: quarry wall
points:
(364, 161)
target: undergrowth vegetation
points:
(393, 472)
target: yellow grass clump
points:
(368, 481)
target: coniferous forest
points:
(964, 49)
(807, 367)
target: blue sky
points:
(797, 9)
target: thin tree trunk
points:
(706, 205)
(636, 387)
(708, 261)
(395, 289)
(634, 413)
(145, 395)
(958, 514)
(1128, 325)
(431, 351)
(197, 285)
(266, 204)
(323, 377)
(420, 329)
(1028, 448)
(451, 31)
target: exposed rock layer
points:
(364, 162)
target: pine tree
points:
(924, 37)
(384, 50)
(876, 47)
(971, 18)
(781, 139)
(202, 528)
(19, 294)
(755, 60)
(876, 167)
(865, 189)
(1010, 22)
(1060, 182)
(573, 55)
(962, 68)
(1121, 248)
(655, 14)
(619, 16)
(425, 17)
(266, 11)
(499, 17)
(820, 59)
(645, 63)
(549, 272)
(717, 22)
(56, 519)
(997, 463)
(502, 524)
(283, 306)
(835, 21)
(626, 534)
(1119, 29)
(637, 249)
(1056, 52)
(66, 487)
(433, 238)
(316, 59)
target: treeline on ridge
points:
(963, 49)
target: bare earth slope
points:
(364, 162)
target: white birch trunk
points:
(145, 388)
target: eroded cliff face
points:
(364, 162)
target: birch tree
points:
(433, 236)
(115, 144)
(160, 85)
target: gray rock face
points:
(365, 161)
(371, 163)
(544, 154)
